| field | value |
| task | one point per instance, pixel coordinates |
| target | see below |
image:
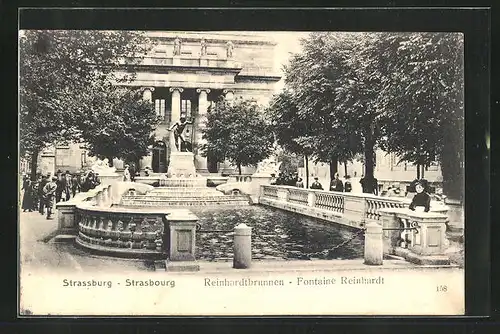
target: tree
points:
(55, 68)
(402, 92)
(425, 104)
(290, 129)
(118, 124)
(317, 77)
(237, 132)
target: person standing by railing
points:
(336, 184)
(300, 183)
(369, 185)
(347, 184)
(421, 198)
(316, 184)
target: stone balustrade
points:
(104, 195)
(350, 209)
(419, 237)
(121, 231)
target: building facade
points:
(183, 74)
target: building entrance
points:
(159, 157)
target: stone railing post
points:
(242, 246)
(311, 198)
(283, 195)
(430, 236)
(374, 248)
(354, 208)
(182, 238)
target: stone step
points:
(141, 203)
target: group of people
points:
(46, 190)
(293, 179)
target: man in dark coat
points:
(316, 184)
(336, 184)
(60, 187)
(132, 171)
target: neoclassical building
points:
(182, 75)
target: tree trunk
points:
(34, 164)
(306, 167)
(452, 171)
(345, 168)
(333, 167)
(423, 170)
(418, 171)
(239, 168)
(369, 166)
(110, 161)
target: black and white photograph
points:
(220, 173)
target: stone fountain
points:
(182, 186)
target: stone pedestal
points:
(66, 222)
(176, 60)
(374, 249)
(182, 235)
(242, 247)
(182, 164)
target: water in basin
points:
(276, 234)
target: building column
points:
(226, 166)
(176, 113)
(147, 93)
(146, 161)
(200, 161)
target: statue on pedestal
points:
(229, 49)
(177, 46)
(181, 144)
(203, 51)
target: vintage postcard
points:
(194, 173)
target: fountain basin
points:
(127, 232)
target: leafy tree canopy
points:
(238, 132)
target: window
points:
(160, 107)
(186, 108)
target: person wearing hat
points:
(316, 184)
(336, 184)
(421, 198)
(49, 191)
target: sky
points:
(287, 42)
